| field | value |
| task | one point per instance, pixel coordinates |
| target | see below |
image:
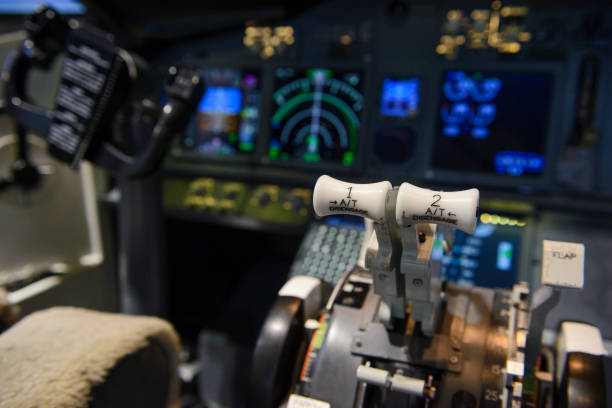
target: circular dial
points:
(317, 116)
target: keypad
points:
(328, 251)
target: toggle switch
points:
(417, 205)
(333, 196)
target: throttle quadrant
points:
(406, 221)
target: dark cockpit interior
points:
(305, 204)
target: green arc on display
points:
(350, 117)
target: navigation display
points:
(493, 122)
(227, 117)
(316, 116)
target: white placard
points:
(563, 264)
(515, 368)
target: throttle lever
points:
(416, 205)
(333, 196)
(375, 201)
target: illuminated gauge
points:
(458, 86)
(479, 132)
(451, 130)
(317, 116)
(456, 113)
(486, 90)
(485, 114)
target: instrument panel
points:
(488, 123)
(419, 96)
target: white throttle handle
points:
(419, 205)
(333, 196)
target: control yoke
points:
(410, 224)
(105, 108)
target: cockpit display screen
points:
(316, 116)
(490, 257)
(493, 123)
(400, 97)
(227, 117)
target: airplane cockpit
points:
(328, 204)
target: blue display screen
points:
(30, 6)
(227, 117)
(518, 163)
(494, 122)
(221, 100)
(348, 221)
(490, 257)
(400, 98)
